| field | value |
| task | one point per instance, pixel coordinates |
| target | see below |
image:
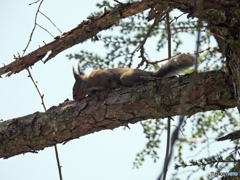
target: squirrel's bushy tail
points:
(175, 65)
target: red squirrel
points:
(111, 78)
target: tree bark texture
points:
(155, 98)
(219, 14)
(85, 30)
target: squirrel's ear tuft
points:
(75, 74)
(80, 72)
(78, 75)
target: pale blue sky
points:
(104, 155)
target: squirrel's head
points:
(80, 88)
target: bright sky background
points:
(104, 155)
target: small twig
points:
(45, 30)
(184, 97)
(169, 36)
(44, 106)
(34, 2)
(118, 1)
(201, 150)
(165, 59)
(37, 88)
(183, 100)
(158, 18)
(58, 162)
(34, 27)
(211, 33)
(175, 18)
(174, 137)
(166, 163)
(167, 149)
(51, 22)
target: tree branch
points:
(94, 25)
(87, 29)
(157, 98)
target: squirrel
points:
(100, 80)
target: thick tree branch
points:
(82, 32)
(153, 99)
(214, 12)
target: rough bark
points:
(87, 29)
(156, 98)
(212, 90)
(216, 13)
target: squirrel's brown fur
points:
(111, 78)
